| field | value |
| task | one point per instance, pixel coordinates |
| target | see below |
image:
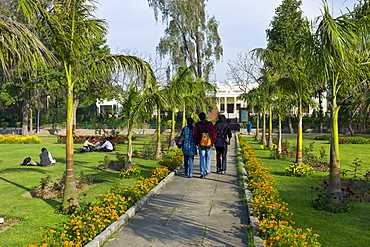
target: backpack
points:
(26, 161)
(205, 138)
(220, 137)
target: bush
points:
(353, 140)
(297, 170)
(4, 124)
(319, 202)
(112, 165)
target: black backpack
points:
(26, 161)
(221, 137)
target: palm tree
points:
(20, 47)
(185, 91)
(330, 51)
(69, 26)
(138, 104)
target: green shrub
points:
(353, 140)
(4, 124)
(296, 170)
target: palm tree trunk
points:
(129, 147)
(25, 109)
(257, 128)
(279, 134)
(264, 142)
(158, 153)
(270, 129)
(299, 136)
(334, 192)
(183, 118)
(173, 126)
(74, 114)
(70, 195)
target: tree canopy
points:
(191, 37)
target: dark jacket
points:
(219, 126)
(203, 124)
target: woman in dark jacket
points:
(189, 147)
(223, 136)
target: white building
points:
(228, 104)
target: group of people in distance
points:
(91, 144)
(220, 135)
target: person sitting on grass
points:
(106, 147)
(88, 146)
(45, 158)
(94, 141)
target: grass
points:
(15, 180)
(341, 229)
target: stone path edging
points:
(253, 220)
(115, 226)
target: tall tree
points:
(191, 38)
(70, 26)
(287, 24)
(331, 52)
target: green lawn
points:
(341, 229)
(33, 213)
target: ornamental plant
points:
(134, 172)
(298, 170)
(275, 225)
(319, 202)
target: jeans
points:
(189, 165)
(205, 160)
(221, 158)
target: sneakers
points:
(202, 176)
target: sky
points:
(242, 25)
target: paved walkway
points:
(191, 212)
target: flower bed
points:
(275, 226)
(92, 218)
(19, 140)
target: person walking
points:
(189, 147)
(202, 130)
(223, 136)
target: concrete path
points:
(191, 212)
